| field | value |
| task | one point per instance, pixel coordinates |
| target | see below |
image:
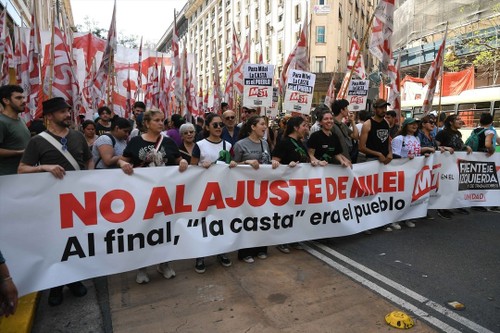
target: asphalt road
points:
(430, 265)
(419, 270)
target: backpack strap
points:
(50, 139)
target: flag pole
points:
(440, 107)
(361, 49)
(51, 80)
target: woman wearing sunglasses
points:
(213, 149)
(425, 134)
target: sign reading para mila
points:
(299, 91)
(258, 85)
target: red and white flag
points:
(216, 88)
(355, 60)
(21, 63)
(298, 58)
(3, 29)
(359, 65)
(152, 89)
(395, 86)
(382, 28)
(185, 84)
(176, 63)
(261, 54)
(231, 80)
(164, 87)
(60, 71)
(34, 92)
(238, 70)
(8, 61)
(192, 98)
(330, 93)
(200, 101)
(128, 108)
(138, 92)
(102, 75)
(432, 77)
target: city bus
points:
(468, 105)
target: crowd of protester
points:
(148, 139)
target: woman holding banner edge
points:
(151, 149)
(253, 150)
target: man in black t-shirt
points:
(374, 141)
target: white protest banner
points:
(102, 222)
(258, 85)
(299, 91)
(357, 94)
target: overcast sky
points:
(148, 18)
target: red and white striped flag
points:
(163, 100)
(395, 86)
(185, 84)
(432, 77)
(330, 93)
(200, 102)
(102, 75)
(138, 92)
(298, 58)
(21, 63)
(176, 63)
(128, 108)
(382, 28)
(152, 88)
(359, 68)
(61, 72)
(8, 61)
(3, 29)
(193, 99)
(261, 54)
(230, 81)
(216, 88)
(34, 92)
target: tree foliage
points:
(91, 25)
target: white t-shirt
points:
(207, 150)
(406, 145)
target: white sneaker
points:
(410, 224)
(248, 259)
(387, 228)
(165, 270)
(262, 255)
(395, 226)
(142, 276)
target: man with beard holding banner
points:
(57, 150)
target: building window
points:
(321, 2)
(280, 46)
(319, 64)
(320, 34)
(280, 17)
(297, 13)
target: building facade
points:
(205, 27)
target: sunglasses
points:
(188, 132)
(229, 117)
(217, 125)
